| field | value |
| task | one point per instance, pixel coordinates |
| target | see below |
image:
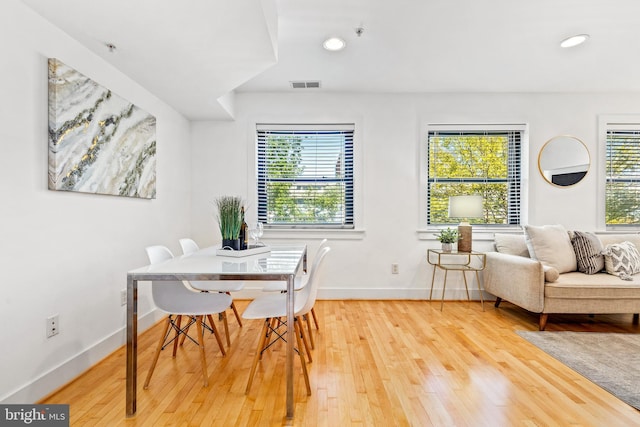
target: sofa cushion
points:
(577, 285)
(512, 244)
(622, 260)
(608, 239)
(550, 244)
(588, 250)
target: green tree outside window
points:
(305, 178)
(486, 164)
(622, 201)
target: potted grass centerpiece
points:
(230, 221)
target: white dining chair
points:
(282, 287)
(189, 246)
(272, 308)
(178, 299)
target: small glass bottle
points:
(244, 232)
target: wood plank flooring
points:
(376, 363)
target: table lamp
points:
(465, 207)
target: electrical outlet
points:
(395, 269)
(52, 326)
(123, 297)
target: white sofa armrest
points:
(516, 279)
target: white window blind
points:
(622, 187)
(305, 175)
(484, 162)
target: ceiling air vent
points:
(314, 84)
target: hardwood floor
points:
(376, 363)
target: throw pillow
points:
(512, 244)
(550, 274)
(622, 260)
(588, 250)
(550, 244)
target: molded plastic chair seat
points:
(218, 285)
(178, 298)
(300, 283)
(272, 305)
(200, 305)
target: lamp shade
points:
(465, 206)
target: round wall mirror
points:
(563, 160)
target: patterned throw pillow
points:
(622, 260)
(588, 251)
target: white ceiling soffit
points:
(192, 54)
(415, 46)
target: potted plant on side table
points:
(230, 221)
(447, 237)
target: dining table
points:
(279, 263)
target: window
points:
(484, 160)
(622, 175)
(305, 175)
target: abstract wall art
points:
(98, 142)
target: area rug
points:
(610, 360)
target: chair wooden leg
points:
(498, 301)
(305, 341)
(186, 332)
(223, 316)
(308, 322)
(272, 323)
(175, 341)
(636, 318)
(235, 311)
(296, 325)
(210, 317)
(258, 355)
(158, 350)
(203, 359)
(184, 335)
(315, 319)
(217, 335)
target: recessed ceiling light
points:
(334, 44)
(574, 40)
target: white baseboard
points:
(64, 373)
(453, 294)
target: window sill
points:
(306, 234)
(479, 233)
(620, 229)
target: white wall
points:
(68, 253)
(391, 127)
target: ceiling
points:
(195, 54)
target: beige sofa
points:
(511, 274)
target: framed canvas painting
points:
(98, 142)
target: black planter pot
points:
(231, 244)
